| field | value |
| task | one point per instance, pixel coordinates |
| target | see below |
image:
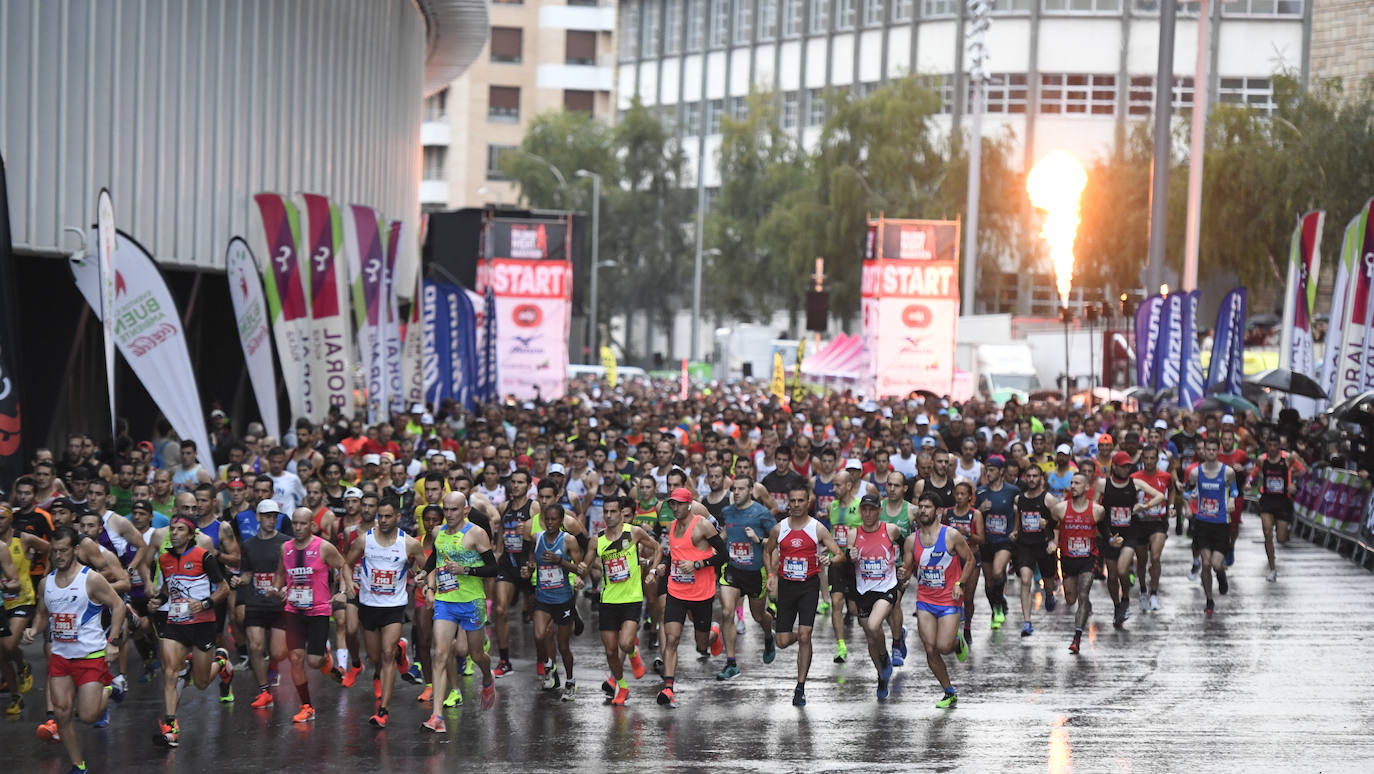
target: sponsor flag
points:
(1169, 348)
(413, 348)
(1227, 366)
(105, 243)
(798, 394)
(608, 363)
(1191, 386)
(325, 278)
(779, 386)
(1347, 272)
(11, 453)
(486, 390)
(148, 333)
(363, 244)
(1147, 317)
(450, 344)
(1295, 336)
(1355, 359)
(391, 323)
(250, 314)
(274, 237)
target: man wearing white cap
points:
(371, 465)
(1057, 480)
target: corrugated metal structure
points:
(185, 109)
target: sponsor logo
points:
(526, 242)
(916, 315)
(524, 345)
(527, 316)
(9, 429)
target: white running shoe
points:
(1272, 576)
(1154, 601)
(1195, 572)
(1144, 602)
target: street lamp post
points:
(593, 337)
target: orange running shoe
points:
(427, 695)
(47, 731)
(351, 676)
(435, 724)
(263, 700)
(376, 688)
(306, 714)
(621, 696)
(488, 695)
(716, 645)
(327, 668)
(636, 665)
(379, 719)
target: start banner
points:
(910, 304)
(533, 314)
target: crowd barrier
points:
(1334, 508)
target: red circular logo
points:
(527, 315)
(916, 315)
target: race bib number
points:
(9, 595)
(64, 627)
(780, 501)
(741, 552)
(179, 610)
(357, 575)
(997, 525)
(1121, 517)
(841, 535)
(1080, 546)
(872, 569)
(683, 572)
(135, 578)
(1030, 521)
(550, 577)
(383, 581)
(263, 581)
(301, 597)
(1274, 485)
(1209, 505)
(445, 581)
(617, 570)
(794, 568)
(933, 577)
(513, 541)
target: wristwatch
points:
(696, 565)
(206, 604)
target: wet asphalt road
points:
(1282, 677)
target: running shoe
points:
(1154, 602)
(376, 688)
(716, 645)
(770, 651)
(1209, 608)
(609, 687)
(306, 714)
(454, 698)
(468, 666)
(1222, 585)
(947, 699)
(569, 691)
(822, 608)
(1144, 602)
(488, 695)
(636, 665)
(351, 676)
(885, 671)
(503, 668)
(666, 698)
(242, 662)
(541, 668)
(1050, 602)
(1026, 629)
(1272, 576)
(226, 675)
(882, 688)
(25, 677)
(47, 731)
(897, 659)
(1073, 646)
(960, 647)
(78, 768)
(262, 701)
(658, 665)
(380, 719)
(730, 670)
(1001, 616)
(621, 697)
(167, 733)
(841, 652)
(579, 626)
(1231, 557)
(740, 627)
(149, 669)
(798, 698)
(120, 684)
(427, 695)
(413, 675)
(104, 720)
(274, 677)
(899, 645)
(1196, 571)
(551, 681)
(435, 724)
(995, 624)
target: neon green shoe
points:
(999, 616)
(841, 652)
(947, 700)
(823, 608)
(455, 698)
(960, 647)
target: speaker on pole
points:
(817, 310)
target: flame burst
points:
(1055, 184)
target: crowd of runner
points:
(408, 550)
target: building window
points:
(866, 89)
(1078, 94)
(581, 47)
(503, 104)
(696, 25)
(901, 10)
(494, 154)
(648, 42)
(931, 9)
(739, 108)
(507, 44)
(790, 110)
(691, 118)
(791, 18)
(1151, 7)
(1011, 6)
(672, 27)
(509, 2)
(873, 13)
(592, 3)
(1082, 6)
(667, 116)
(844, 15)
(436, 106)
(714, 110)
(579, 101)
(434, 158)
(819, 22)
(1254, 93)
(1005, 93)
(768, 20)
(1262, 8)
(629, 30)
(744, 20)
(720, 23)
(815, 107)
(943, 86)
(1140, 98)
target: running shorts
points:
(1147, 527)
(676, 611)
(988, 551)
(797, 602)
(867, 599)
(374, 618)
(842, 578)
(197, 636)
(1075, 566)
(80, 670)
(939, 611)
(1281, 507)
(560, 612)
(749, 582)
(262, 618)
(307, 632)
(615, 615)
(1034, 556)
(1211, 536)
(471, 616)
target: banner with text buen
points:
(1227, 366)
(11, 451)
(1299, 296)
(1190, 383)
(1355, 357)
(274, 236)
(913, 284)
(1169, 348)
(1147, 317)
(367, 271)
(105, 232)
(391, 322)
(250, 314)
(148, 332)
(326, 278)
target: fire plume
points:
(1055, 185)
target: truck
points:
(999, 367)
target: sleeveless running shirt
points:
(452, 587)
(944, 492)
(1034, 520)
(260, 559)
(798, 551)
(620, 568)
(684, 582)
(877, 566)
(307, 575)
(76, 627)
(1078, 533)
(998, 517)
(383, 572)
(552, 585)
(512, 542)
(937, 569)
(1119, 501)
(1211, 496)
(23, 595)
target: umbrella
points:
(1266, 320)
(1141, 394)
(1359, 409)
(1287, 380)
(1234, 402)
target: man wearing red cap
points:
(697, 552)
(1124, 498)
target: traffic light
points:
(1127, 306)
